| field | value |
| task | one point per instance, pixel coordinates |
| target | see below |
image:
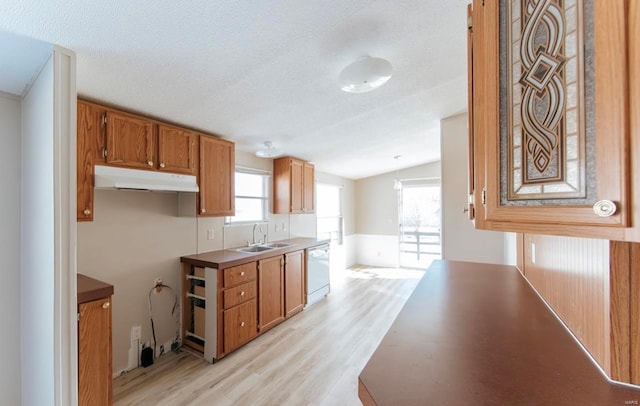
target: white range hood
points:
(110, 177)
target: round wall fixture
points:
(269, 151)
(365, 74)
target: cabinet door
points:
(294, 283)
(177, 150)
(297, 188)
(239, 325)
(94, 353)
(308, 183)
(470, 102)
(555, 137)
(90, 144)
(130, 141)
(270, 292)
(282, 185)
(216, 181)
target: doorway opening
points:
(419, 213)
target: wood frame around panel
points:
(482, 40)
(633, 16)
(470, 116)
(611, 117)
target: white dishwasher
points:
(317, 273)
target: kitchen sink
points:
(264, 247)
(277, 244)
(255, 248)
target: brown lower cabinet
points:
(270, 292)
(294, 283)
(95, 387)
(240, 325)
(252, 298)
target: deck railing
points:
(420, 242)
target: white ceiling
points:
(21, 59)
(262, 70)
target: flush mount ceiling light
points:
(268, 151)
(365, 74)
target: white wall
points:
(376, 217)
(460, 240)
(10, 135)
(37, 242)
(510, 249)
(137, 237)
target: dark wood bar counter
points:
(90, 289)
(478, 334)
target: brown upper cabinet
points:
(293, 186)
(216, 181)
(177, 150)
(90, 145)
(550, 132)
(131, 141)
(107, 136)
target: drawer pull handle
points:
(106, 305)
(242, 293)
(242, 273)
(242, 324)
(150, 163)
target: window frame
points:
(266, 198)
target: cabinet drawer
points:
(238, 275)
(239, 294)
(240, 325)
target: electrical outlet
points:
(136, 333)
(210, 234)
(276, 228)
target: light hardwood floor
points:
(312, 359)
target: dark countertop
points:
(478, 334)
(90, 289)
(230, 257)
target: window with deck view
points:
(329, 212)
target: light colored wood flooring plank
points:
(312, 359)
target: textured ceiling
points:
(262, 70)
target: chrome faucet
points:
(259, 227)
